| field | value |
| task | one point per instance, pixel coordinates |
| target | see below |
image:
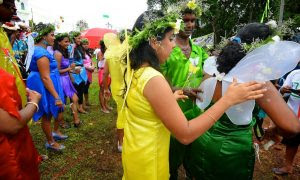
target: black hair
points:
(230, 55)
(187, 11)
(57, 47)
(102, 47)
(250, 32)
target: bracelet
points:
(211, 117)
(57, 99)
(35, 104)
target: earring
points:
(45, 42)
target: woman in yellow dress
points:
(115, 68)
(151, 110)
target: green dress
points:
(225, 151)
(176, 71)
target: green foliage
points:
(225, 17)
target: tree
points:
(82, 25)
(225, 17)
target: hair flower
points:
(176, 26)
(192, 4)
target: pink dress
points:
(87, 62)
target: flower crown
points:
(61, 36)
(84, 41)
(155, 27)
(181, 7)
(74, 34)
(194, 6)
(42, 30)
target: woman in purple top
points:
(61, 44)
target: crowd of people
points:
(176, 104)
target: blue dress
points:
(34, 82)
(82, 77)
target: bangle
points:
(35, 104)
(211, 117)
(57, 99)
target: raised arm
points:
(159, 94)
(277, 109)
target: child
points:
(101, 63)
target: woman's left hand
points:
(178, 94)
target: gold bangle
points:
(35, 104)
(211, 117)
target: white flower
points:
(272, 24)
(177, 26)
(276, 38)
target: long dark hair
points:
(57, 47)
(233, 52)
(144, 53)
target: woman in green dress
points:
(226, 150)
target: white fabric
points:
(101, 63)
(265, 63)
(30, 44)
(293, 80)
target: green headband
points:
(61, 36)
(43, 30)
(74, 34)
(85, 41)
(152, 29)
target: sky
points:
(122, 13)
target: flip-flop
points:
(280, 172)
(50, 146)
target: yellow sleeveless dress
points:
(116, 70)
(145, 153)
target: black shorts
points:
(86, 87)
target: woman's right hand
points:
(72, 66)
(58, 102)
(238, 93)
(33, 96)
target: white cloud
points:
(123, 13)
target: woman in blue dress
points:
(44, 78)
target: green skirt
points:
(224, 152)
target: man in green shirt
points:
(177, 71)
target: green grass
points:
(90, 152)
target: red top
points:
(18, 156)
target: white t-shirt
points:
(293, 80)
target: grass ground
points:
(91, 151)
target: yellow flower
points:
(193, 69)
(192, 4)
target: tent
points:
(94, 35)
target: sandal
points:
(105, 111)
(278, 171)
(58, 137)
(51, 147)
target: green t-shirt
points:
(176, 71)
